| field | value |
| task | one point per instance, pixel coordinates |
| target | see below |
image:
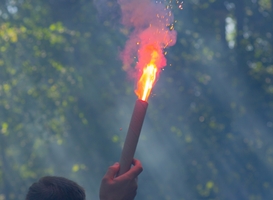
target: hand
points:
(123, 187)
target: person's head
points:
(55, 188)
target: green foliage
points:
(64, 97)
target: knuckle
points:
(104, 180)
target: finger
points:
(112, 171)
(136, 162)
(136, 169)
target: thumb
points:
(112, 171)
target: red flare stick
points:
(133, 133)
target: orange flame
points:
(147, 79)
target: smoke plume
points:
(152, 29)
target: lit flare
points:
(147, 79)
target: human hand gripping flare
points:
(123, 187)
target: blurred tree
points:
(62, 87)
(48, 76)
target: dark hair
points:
(55, 188)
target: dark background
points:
(65, 102)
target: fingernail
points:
(116, 163)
